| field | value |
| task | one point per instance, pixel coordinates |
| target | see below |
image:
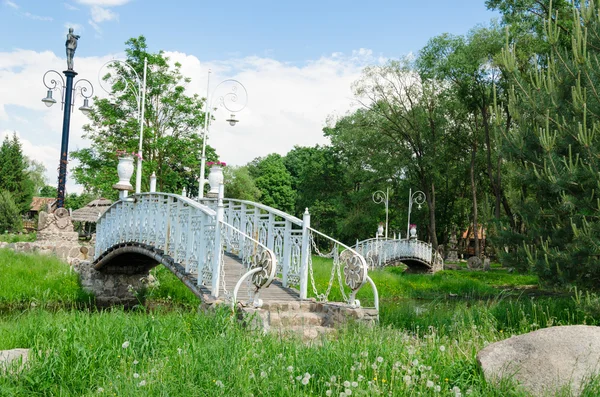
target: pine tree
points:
(554, 152)
(13, 173)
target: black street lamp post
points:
(69, 90)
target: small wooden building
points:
(467, 243)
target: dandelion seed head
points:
(354, 384)
(135, 362)
(100, 390)
(442, 348)
(125, 344)
(429, 384)
(263, 374)
(142, 383)
(379, 359)
(219, 383)
(136, 375)
(305, 381)
(290, 369)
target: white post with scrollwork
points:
(216, 274)
(306, 252)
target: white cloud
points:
(95, 26)
(11, 4)
(76, 27)
(70, 7)
(100, 14)
(287, 104)
(37, 17)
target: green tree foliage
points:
(13, 173)
(36, 172)
(240, 185)
(554, 151)
(10, 220)
(48, 191)
(171, 147)
(75, 201)
(273, 181)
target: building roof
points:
(39, 203)
(92, 211)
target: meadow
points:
(422, 347)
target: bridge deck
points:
(234, 270)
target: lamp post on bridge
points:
(140, 96)
(229, 100)
(54, 81)
(380, 197)
(417, 197)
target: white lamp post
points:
(381, 197)
(140, 96)
(234, 100)
(417, 197)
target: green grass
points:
(17, 238)
(170, 289)
(36, 279)
(172, 350)
(393, 283)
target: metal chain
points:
(322, 297)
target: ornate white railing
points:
(290, 239)
(259, 261)
(381, 252)
(193, 234)
(346, 261)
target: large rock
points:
(545, 360)
(8, 356)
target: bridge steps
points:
(307, 320)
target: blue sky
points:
(298, 60)
(290, 31)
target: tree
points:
(409, 125)
(36, 172)
(48, 191)
(10, 220)
(171, 145)
(13, 173)
(274, 182)
(553, 148)
(240, 185)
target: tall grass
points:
(421, 347)
(36, 279)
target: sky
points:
(297, 60)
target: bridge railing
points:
(379, 252)
(290, 239)
(193, 234)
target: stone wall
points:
(113, 289)
(71, 252)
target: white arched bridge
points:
(226, 249)
(417, 255)
(241, 251)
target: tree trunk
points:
(494, 182)
(431, 205)
(474, 191)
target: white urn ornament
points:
(215, 177)
(413, 231)
(125, 171)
